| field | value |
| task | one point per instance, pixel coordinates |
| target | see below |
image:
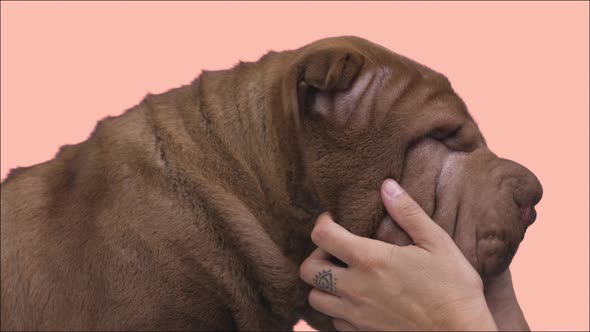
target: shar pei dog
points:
(193, 209)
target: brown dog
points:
(193, 210)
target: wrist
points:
(471, 315)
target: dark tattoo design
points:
(325, 280)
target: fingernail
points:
(392, 188)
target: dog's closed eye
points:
(458, 138)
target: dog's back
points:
(85, 245)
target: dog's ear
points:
(330, 70)
(322, 83)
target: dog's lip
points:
(528, 215)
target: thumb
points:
(411, 217)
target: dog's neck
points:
(252, 141)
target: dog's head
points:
(364, 113)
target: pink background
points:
(522, 68)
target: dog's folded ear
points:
(330, 69)
(320, 78)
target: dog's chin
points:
(493, 256)
(494, 252)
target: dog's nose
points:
(527, 191)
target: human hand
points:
(503, 305)
(426, 286)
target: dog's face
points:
(365, 114)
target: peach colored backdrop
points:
(522, 68)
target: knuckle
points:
(350, 290)
(372, 262)
(303, 268)
(322, 218)
(359, 297)
(321, 229)
(319, 233)
(365, 264)
(354, 258)
(354, 291)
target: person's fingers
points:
(342, 325)
(336, 240)
(319, 272)
(326, 303)
(411, 217)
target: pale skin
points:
(426, 286)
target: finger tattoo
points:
(325, 280)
